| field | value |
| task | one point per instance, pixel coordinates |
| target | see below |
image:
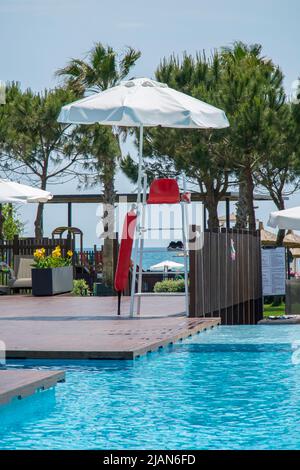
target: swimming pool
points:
(227, 388)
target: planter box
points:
(52, 281)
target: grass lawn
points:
(274, 311)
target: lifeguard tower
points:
(162, 191)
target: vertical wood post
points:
(227, 213)
(69, 214)
(16, 245)
(1, 222)
(115, 252)
(204, 216)
(193, 274)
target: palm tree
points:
(101, 69)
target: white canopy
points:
(21, 193)
(144, 102)
(288, 219)
(166, 265)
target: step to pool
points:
(18, 384)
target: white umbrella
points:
(288, 219)
(143, 103)
(21, 193)
(166, 265)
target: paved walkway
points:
(22, 383)
(74, 327)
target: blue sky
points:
(39, 36)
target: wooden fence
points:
(90, 260)
(225, 276)
(27, 246)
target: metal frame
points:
(138, 227)
(139, 240)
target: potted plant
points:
(52, 274)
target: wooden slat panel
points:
(221, 284)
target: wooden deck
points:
(22, 383)
(88, 328)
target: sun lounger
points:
(21, 275)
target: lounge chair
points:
(21, 277)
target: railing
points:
(27, 246)
(225, 276)
(91, 258)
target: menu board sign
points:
(273, 271)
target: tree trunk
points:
(212, 209)
(214, 189)
(242, 211)
(39, 221)
(250, 199)
(280, 237)
(108, 221)
(281, 233)
(38, 224)
(245, 208)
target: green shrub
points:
(80, 288)
(12, 225)
(169, 285)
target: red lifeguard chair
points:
(162, 191)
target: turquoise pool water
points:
(228, 388)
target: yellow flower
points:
(56, 253)
(39, 253)
(70, 253)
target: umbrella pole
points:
(142, 242)
(184, 219)
(138, 228)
